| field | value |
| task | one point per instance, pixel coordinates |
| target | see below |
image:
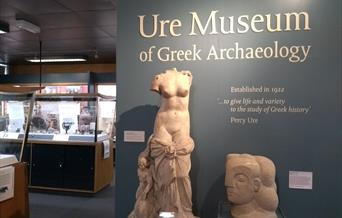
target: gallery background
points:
(294, 141)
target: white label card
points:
(300, 180)
(60, 137)
(106, 149)
(134, 136)
(9, 135)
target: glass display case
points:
(69, 146)
(15, 112)
(72, 117)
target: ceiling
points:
(68, 27)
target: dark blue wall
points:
(299, 142)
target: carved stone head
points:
(250, 186)
(143, 163)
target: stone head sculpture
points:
(250, 186)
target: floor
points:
(48, 205)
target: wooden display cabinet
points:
(75, 167)
(66, 142)
(16, 105)
(18, 206)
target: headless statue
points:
(250, 186)
(169, 147)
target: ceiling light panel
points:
(56, 59)
(28, 26)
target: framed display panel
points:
(109, 90)
(48, 88)
(106, 89)
(65, 89)
(15, 114)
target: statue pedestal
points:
(224, 210)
